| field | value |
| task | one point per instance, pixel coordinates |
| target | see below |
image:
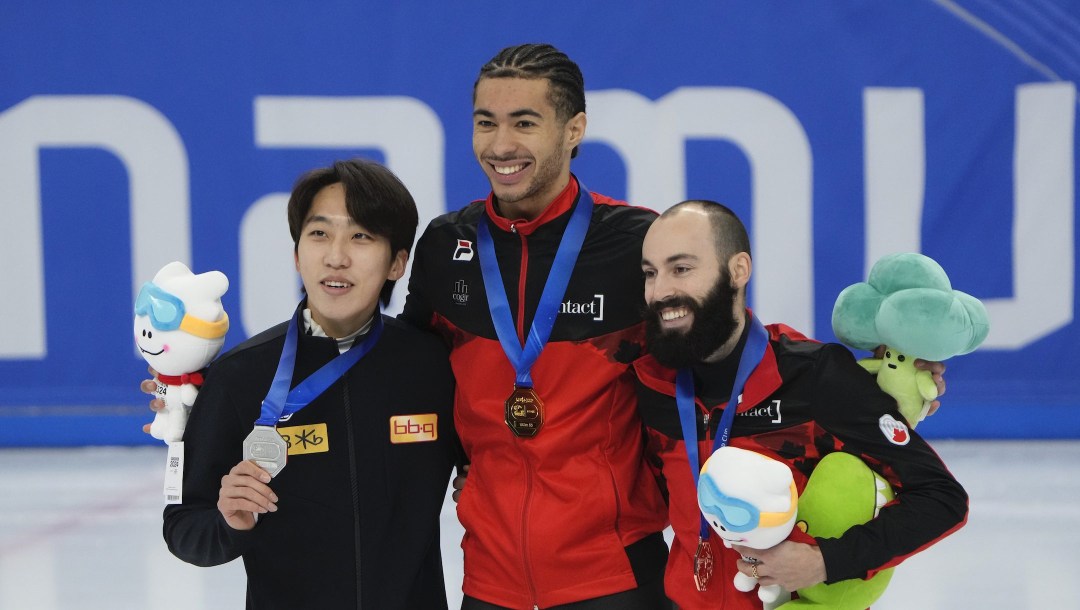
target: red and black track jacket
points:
(546, 518)
(803, 401)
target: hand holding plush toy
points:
(750, 500)
(180, 326)
(908, 305)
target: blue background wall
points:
(132, 134)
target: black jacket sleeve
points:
(195, 531)
(418, 310)
(929, 504)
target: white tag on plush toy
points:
(174, 473)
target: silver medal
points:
(266, 447)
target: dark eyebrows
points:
(674, 258)
(526, 112)
(481, 112)
(326, 220)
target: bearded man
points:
(797, 401)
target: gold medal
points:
(703, 564)
(524, 412)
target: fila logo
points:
(464, 250)
(594, 308)
(419, 428)
(770, 410)
(897, 432)
(461, 293)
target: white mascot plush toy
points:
(750, 500)
(180, 326)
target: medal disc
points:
(524, 412)
(266, 447)
(703, 564)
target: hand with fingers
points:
(245, 492)
(150, 386)
(791, 565)
(459, 482)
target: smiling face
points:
(693, 303)
(521, 144)
(342, 265)
(173, 352)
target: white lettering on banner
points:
(894, 170)
(1043, 240)
(765, 131)
(780, 160)
(269, 284)
(156, 162)
(415, 154)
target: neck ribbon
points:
(522, 358)
(752, 354)
(281, 401)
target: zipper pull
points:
(513, 228)
(705, 419)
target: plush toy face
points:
(180, 324)
(747, 498)
(173, 352)
(896, 368)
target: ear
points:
(397, 265)
(296, 258)
(740, 267)
(575, 130)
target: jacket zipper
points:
(355, 487)
(522, 273)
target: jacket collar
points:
(559, 206)
(762, 382)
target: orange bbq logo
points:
(417, 428)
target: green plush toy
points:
(908, 305)
(840, 493)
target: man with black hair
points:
(801, 400)
(352, 519)
(536, 289)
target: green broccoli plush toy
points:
(908, 305)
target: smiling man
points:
(358, 403)
(536, 290)
(800, 401)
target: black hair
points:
(566, 89)
(729, 233)
(374, 197)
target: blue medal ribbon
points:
(573, 237)
(752, 353)
(280, 401)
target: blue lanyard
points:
(280, 401)
(753, 352)
(573, 237)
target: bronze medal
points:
(524, 412)
(703, 564)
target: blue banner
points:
(134, 134)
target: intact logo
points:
(897, 432)
(771, 410)
(464, 251)
(419, 428)
(594, 308)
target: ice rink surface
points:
(81, 529)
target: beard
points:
(714, 324)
